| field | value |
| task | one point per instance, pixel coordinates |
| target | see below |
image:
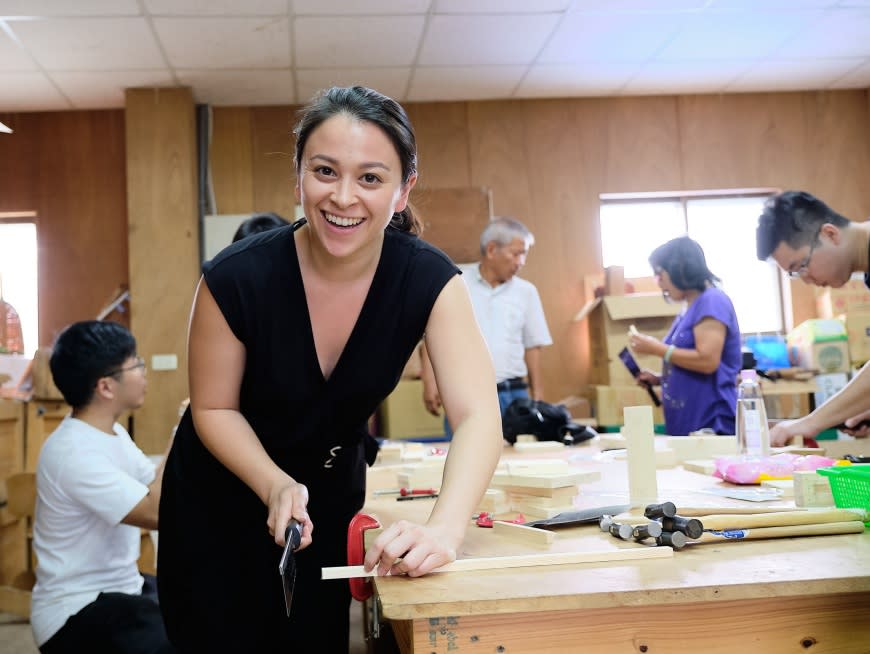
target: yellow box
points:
(609, 402)
(858, 330)
(403, 414)
(609, 318)
(852, 296)
(820, 344)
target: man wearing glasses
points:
(811, 241)
(95, 491)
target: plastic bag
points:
(739, 470)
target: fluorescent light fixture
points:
(4, 128)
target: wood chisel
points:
(287, 565)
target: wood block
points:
(544, 481)
(536, 467)
(785, 485)
(563, 492)
(527, 438)
(494, 500)
(611, 441)
(640, 442)
(665, 458)
(542, 512)
(701, 447)
(811, 490)
(701, 466)
(540, 502)
(522, 533)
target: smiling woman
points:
(296, 336)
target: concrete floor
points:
(16, 637)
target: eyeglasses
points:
(140, 363)
(804, 265)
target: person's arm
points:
(704, 358)
(852, 400)
(431, 397)
(465, 375)
(146, 513)
(533, 365)
(216, 362)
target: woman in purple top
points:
(702, 351)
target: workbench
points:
(809, 594)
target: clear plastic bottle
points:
(753, 435)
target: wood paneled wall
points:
(163, 244)
(547, 161)
(70, 168)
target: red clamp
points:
(484, 519)
(360, 587)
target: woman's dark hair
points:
(83, 353)
(259, 222)
(684, 261)
(370, 106)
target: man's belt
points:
(516, 383)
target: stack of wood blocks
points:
(541, 488)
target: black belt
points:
(511, 384)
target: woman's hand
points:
(406, 548)
(782, 433)
(648, 377)
(288, 499)
(645, 344)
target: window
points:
(18, 277)
(724, 226)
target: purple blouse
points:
(695, 400)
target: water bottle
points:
(753, 436)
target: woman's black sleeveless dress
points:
(218, 578)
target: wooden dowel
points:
(520, 561)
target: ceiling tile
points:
(575, 80)
(216, 7)
(355, 8)
(773, 4)
(840, 33)
(669, 77)
(68, 8)
(793, 75)
(643, 6)
(445, 83)
(90, 43)
(857, 78)
(105, 90)
(12, 57)
(499, 6)
(239, 87)
(730, 34)
(485, 40)
(225, 42)
(593, 37)
(346, 42)
(389, 81)
(33, 92)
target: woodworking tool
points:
(663, 510)
(360, 588)
(620, 530)
(783, 519)
(406, 491)
(691, 527)
(405, 498)
(485, 519)
(569, 518)
(287, 565)
(605, 522)
(649, 530)
(675, 539)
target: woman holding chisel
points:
(296, 336)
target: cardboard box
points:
(403, 414)
(609, 318)
(43, 382)
(820, 344)
(787, 407)
(858, 331)
(852, 296)
(609, 402)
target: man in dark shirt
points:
(811, 241)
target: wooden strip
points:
(791, 531)
(700, 511)
(780, 519)
(519, 561)
(524, 534)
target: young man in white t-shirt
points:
(95, 491)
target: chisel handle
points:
(791, 531)
(783, 519)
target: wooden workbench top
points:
(784, 567)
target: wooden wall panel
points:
(273, 174)
(69, 167)
(231, 160)
(442, 144)
(164, 245)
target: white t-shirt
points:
(86, 482)
(511, 319)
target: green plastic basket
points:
(850, 486)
